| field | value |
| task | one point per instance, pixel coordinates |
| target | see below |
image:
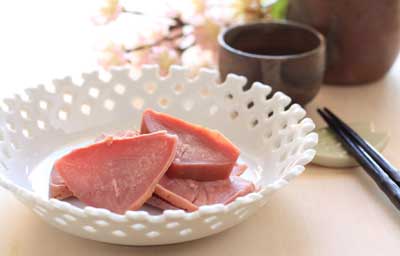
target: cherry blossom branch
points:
(179, 40)
(177, 26)
(158, 42)
(134, 12)
(177, 21)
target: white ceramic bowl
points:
(40, 126)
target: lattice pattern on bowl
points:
(276, 137)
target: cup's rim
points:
(319, 36)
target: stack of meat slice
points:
(172, 164)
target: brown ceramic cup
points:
(362, 37)
(288, 56)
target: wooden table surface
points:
(325, 211)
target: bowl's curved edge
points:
(307, 156)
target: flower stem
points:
(133, 12)
(158, 42)
(177, 21)
(177, 26)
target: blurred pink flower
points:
(199, 6)
(249, 10)
(195, 58)
(192, 11)
(242, 5)
(171, 10)
(112, 55)
(164, 56)
(150, 35)
(222, 15)
(192, 26)
(108, 12)
(206, 34)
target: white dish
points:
(276, 143)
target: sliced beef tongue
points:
(223, 191)
(118, 174)
(202, 154)
(118, 134)
(160, 203)
(201, 172)
(190, 194)
(178, 192)
(58, 189)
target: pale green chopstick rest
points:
(331, 153)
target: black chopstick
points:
(384, 164)
(381, 178)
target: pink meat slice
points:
(178, 192)
(118, 174)
(182, 192)
(190, 194)
(118, 134)
(223, 191)
(58, 188)
(202, 154)
(160, 203)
